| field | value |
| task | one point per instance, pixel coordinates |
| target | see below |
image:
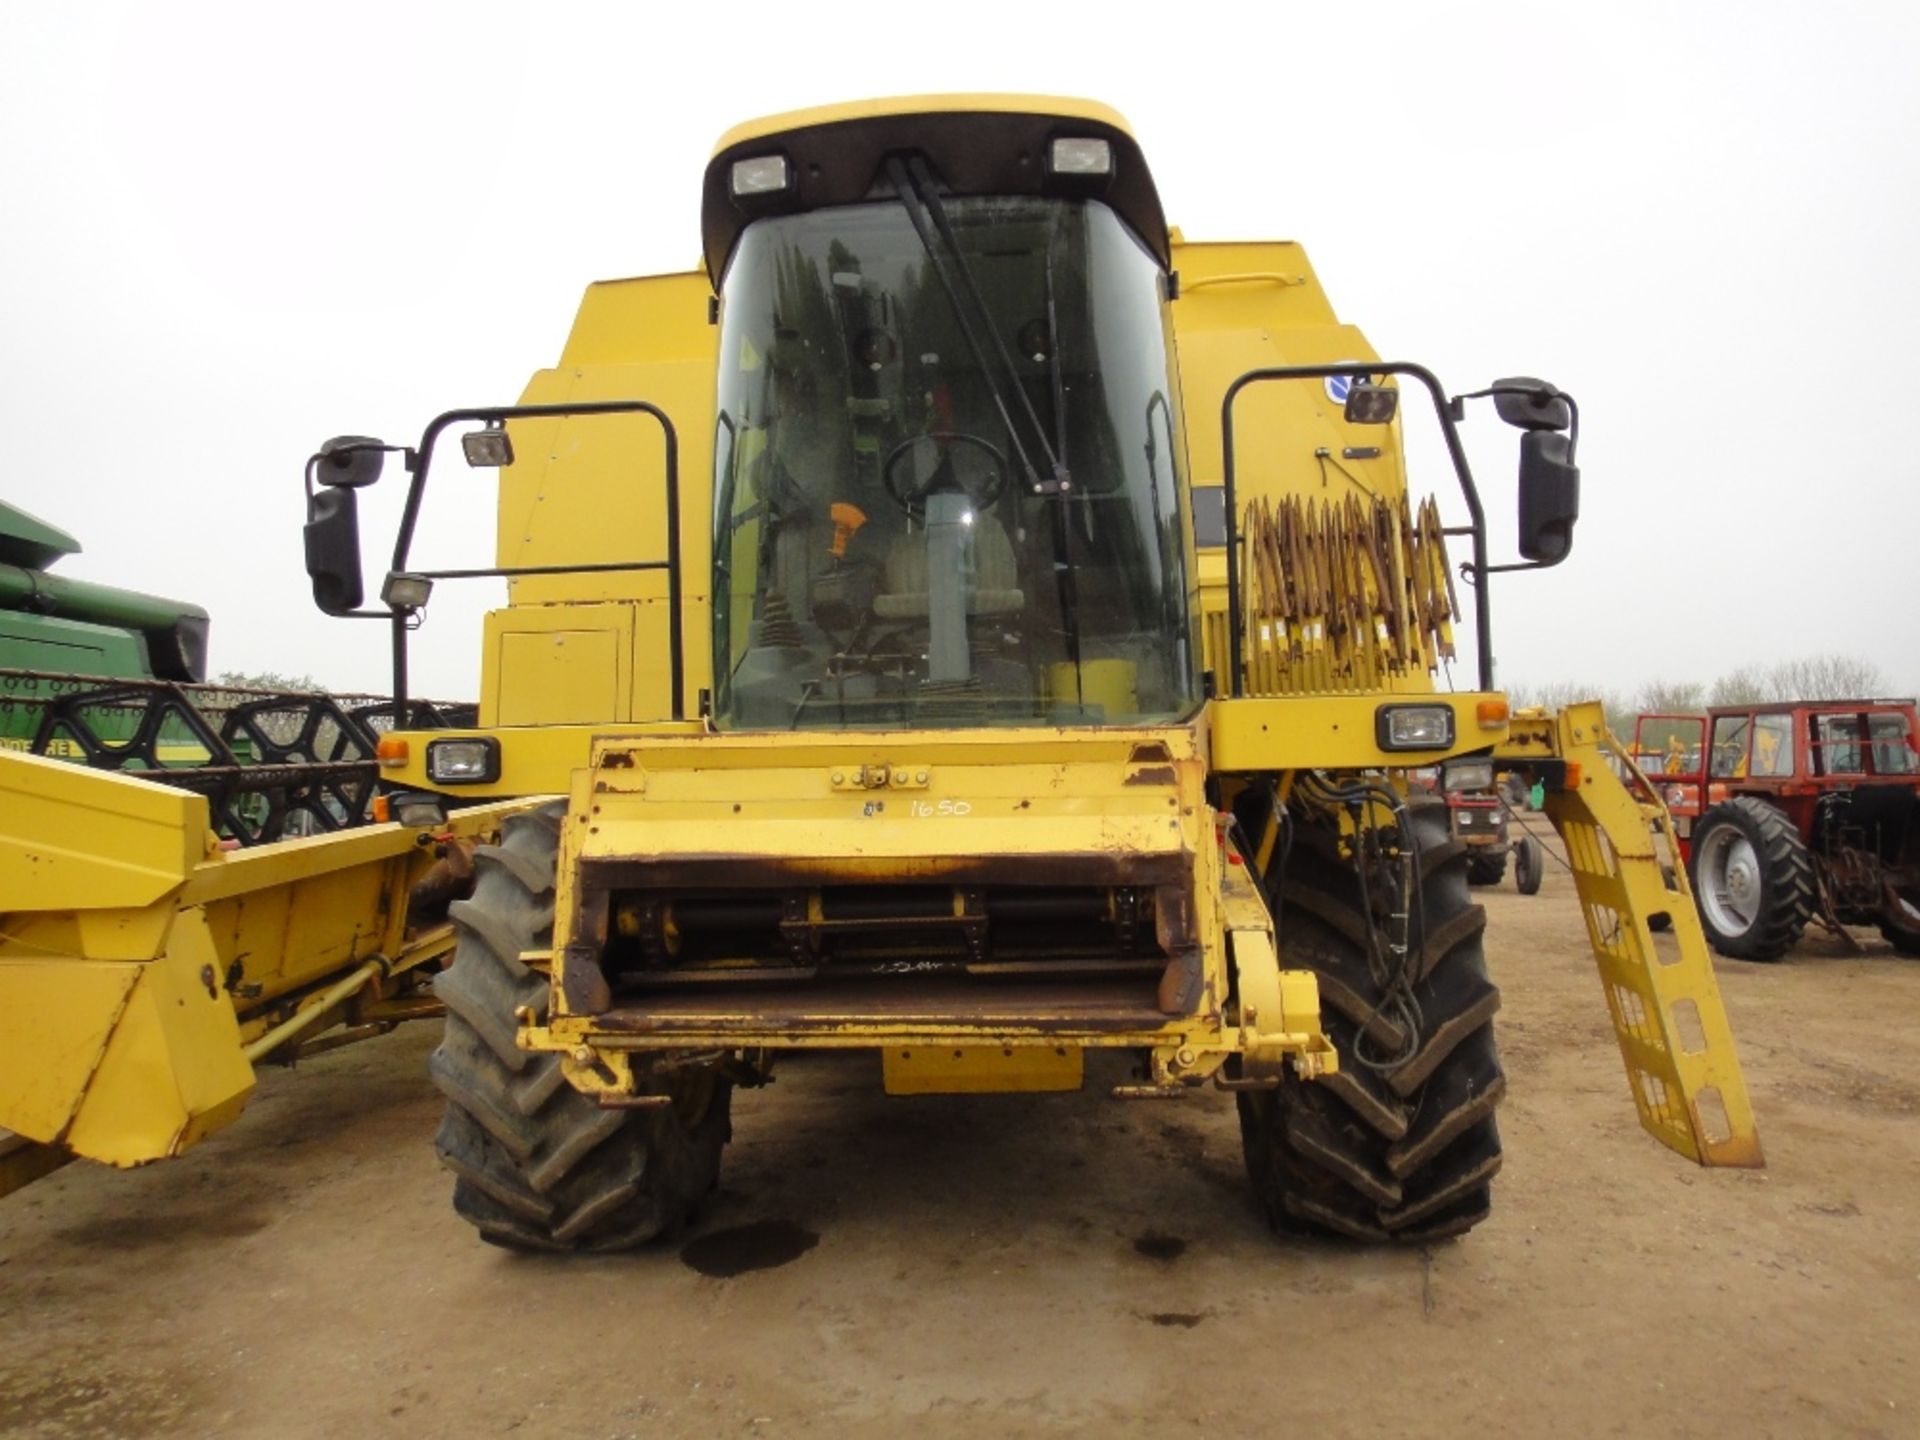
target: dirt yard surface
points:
(1010, 1266)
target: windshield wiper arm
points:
(915, 187)
(1009, 373)
(920, 213)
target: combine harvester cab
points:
(943, 637)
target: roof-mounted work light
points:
(488, 447)
(761, 175)
(1075, 156)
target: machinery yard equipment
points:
(971, 624)
(1481, 818)
(1793, 812)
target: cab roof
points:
(976, 144)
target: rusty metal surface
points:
(1083, 1005)
(761, 872)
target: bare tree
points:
(1667, 697)
(1827, 677)
(1747, 685)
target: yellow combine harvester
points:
(966, 623)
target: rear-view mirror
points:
(350, 462)
(1531, 404)
(332, 535)
(1549, 497)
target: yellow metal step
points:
(1662, 995)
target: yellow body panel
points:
(981, 1069)
(1334, 732)
(88, 840)
(591, 490)
(568, 663)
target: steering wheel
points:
(910, 500)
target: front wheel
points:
(1400, 1145)
(1529, 865)
(1752, 879)
(537, 1164)
(1900, 923)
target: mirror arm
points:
(1523, 565)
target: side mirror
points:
(1531, 404)
(332, 536)
(350, 462)
(1549, 497)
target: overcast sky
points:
(227, 232)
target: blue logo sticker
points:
(1339, 386)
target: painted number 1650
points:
(927, 809)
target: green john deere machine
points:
(54, 625)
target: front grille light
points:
(1414, 727)
(463, 762)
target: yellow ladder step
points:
(1662, 995)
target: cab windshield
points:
(948, 478)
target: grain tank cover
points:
(28, 541)
(977, 144)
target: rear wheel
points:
(1400, 1145)
(1752, 879)
(537, 1164)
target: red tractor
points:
(1793, 812)
(1480, 814)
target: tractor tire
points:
(1486, 867)
(1529, 865)
(1401, 1156)
(1752, 879)
(1900, 924)
(537, 1164)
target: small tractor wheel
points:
(1403, 1154)
(1900, 923)
(537, 1164)
(1529, 865)
(1752, 879)
(1486, 867)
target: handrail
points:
(420, 459)
(1355, 370)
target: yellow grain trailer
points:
(969, 623)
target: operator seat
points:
(996, 576)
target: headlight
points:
(417, 808)
(463, 762)
(1414, 727)
(1465, 776)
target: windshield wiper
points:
(929, 219)
(914, 183)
